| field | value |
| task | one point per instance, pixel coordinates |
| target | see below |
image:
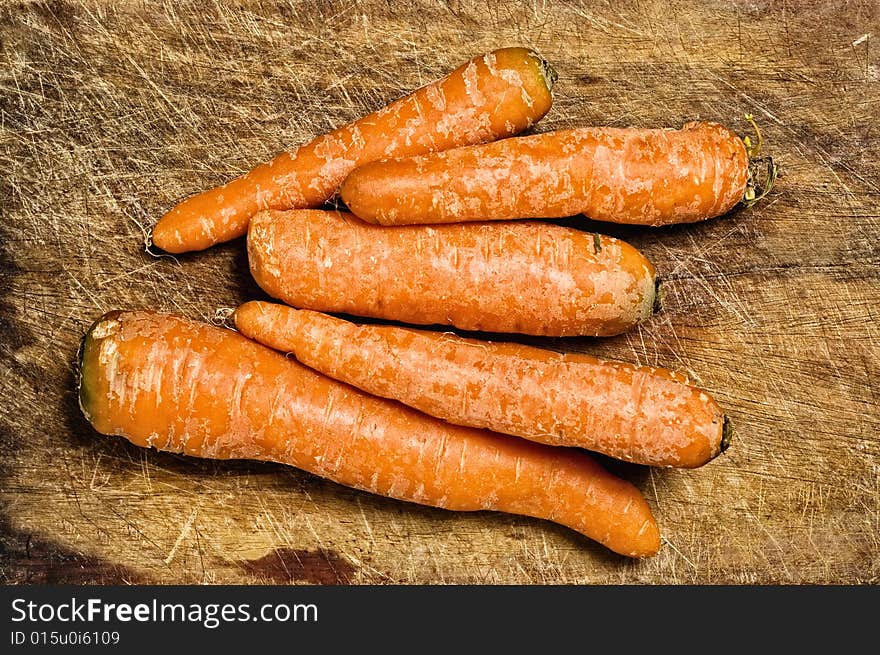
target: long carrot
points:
(495, 95)
(186, 387)
(527, 277)
(651, 177)
(644, 415)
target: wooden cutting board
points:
(112, 112)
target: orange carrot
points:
(186, 387)
(495, 95)
(644, 415)
(650, 177)
(527, 277)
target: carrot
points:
(649, 177)
(527, 277)
(498, 94)
(644, 415)
(186, 387)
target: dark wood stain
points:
(590, 79)
(26, 558)
(288, 565)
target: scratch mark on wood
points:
(187, 526)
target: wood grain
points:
(109, 113)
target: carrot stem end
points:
(659, 295)
(762, 170)
(547, 71)
(726, 433)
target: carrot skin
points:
(638, 176)
(525, 277)
(498, 94)
(186, 387)
(644, 415)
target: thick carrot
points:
(644, 415)
(495, 95)
(187, 387)
(527, 277)
(650, 177)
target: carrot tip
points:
(726, 433)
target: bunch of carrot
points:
(434, 182)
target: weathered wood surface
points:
(111, 112)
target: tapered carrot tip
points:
(248, 314)
(650, 540)
(163, 236)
